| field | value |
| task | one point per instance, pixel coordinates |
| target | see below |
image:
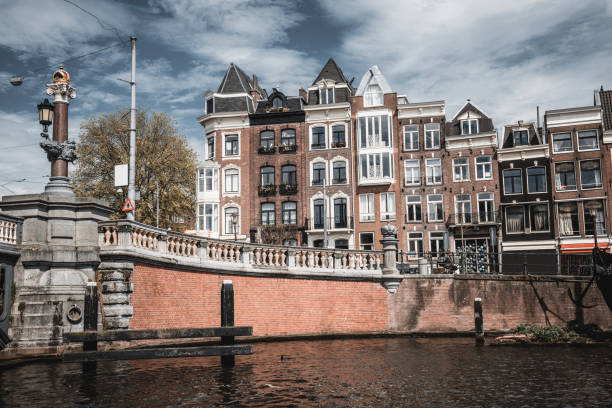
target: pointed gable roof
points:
(236, 81)
(332, 71)
(373, 76)
(469, 106)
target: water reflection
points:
(372, 372)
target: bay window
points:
(376, 165)
(375, 131)
(208, 217)
(208, 180)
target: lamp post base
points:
(59, 185)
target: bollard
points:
(90, 315)
(478, 320)
(227, 318)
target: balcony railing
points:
(480, 218)
(288, 188)
(287, 149)
(10, 229)
(266, 150)
(332, 223)
(267, 190)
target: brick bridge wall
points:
(167, 298)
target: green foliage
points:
(163, 157)
(526, 328)
(550, 334)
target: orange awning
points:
(583, 248)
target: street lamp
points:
(235, 223)
(45, 116)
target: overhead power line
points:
(105, 25)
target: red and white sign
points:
(128, 206)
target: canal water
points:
(381, 372)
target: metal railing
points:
(332, 223)
(472, 218)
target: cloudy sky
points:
(507, 56)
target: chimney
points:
(255, 91)
(303, 94)
(538, 115)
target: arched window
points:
(232, 181)
(373, 95)
(340, 216)
(318, 174)
(318, 215)
(232, 220)
(266, 139)
(288, 137)
(267, 176)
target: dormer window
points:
(373, 96)
(277, 102)
(520, 138)
(469, 126)
(326, 95)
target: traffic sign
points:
(128, 206)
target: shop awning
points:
(583, 247)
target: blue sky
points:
(507, 57)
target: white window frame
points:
(377, 142)
(261, 212)
(338, 159)
(413, 238)
(545, 182)
(225, 219)
(325, 91)
(441, 202)
(439, 237)
(379, 174)
(432, 127)
(311, 174)
(332, 209)
(412, 169)
(330, 132)
(210, 155)
(316, 197)
(233, 156)
(369, 216)
(201, 225)
(225, 190)
(576, 176)
(491, 202)
(325, 137)
(360, 240)
(203, 176)
(427, 170)
(412, 136)
(372, 98)
(580, 174)
(386, 212)
(414, 204)
(470, 122)
(504, 181)
(484, 166)
(514, 139)
(562, 133)
(596, 139)
(463, 167)
(460, 209)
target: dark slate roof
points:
(236, 80)
(508, 140)
(485, 124)
(606, 106)
(234, 104)
(331, 70)
(290, 103)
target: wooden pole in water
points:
(90, 315)
(478, 320)
(227, 318)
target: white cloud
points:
(506, 56)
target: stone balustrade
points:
(207, 251)
(9, 229)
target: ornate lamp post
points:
(235, 223)
(60, 151)
(45, 116)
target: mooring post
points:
(90, 315)
(479, 332)
(227, 317)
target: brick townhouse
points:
(581, 173)
(472, 188)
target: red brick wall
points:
(165, 298)
(447, 305)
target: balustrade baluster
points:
(283, 258)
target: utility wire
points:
(103, 24)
